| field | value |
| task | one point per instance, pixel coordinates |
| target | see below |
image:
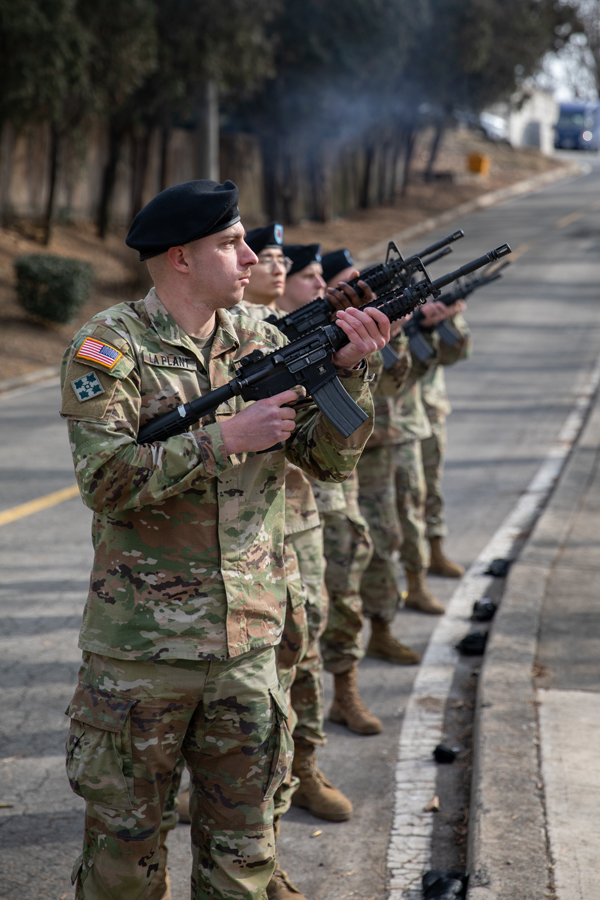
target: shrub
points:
(53, 287)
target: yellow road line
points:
(567, 220)
(516, 254)
(27, 509)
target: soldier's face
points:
(267, 279)
(219, 267)
(305, 285)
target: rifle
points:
(307, 361)
(391, 274)
(418, 345)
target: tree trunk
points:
(364, 196)
(320, 187)
(435, 146)
(54, 152)
(7, 146)
(115, 141)
(409, 149)
(165, 134)
(207, 133)
(140, 154)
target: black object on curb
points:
(473, 644)
(443, 754)
(484, 610)
(498, 568)
(439, 884)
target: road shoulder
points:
(509, 852)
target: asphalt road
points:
(536, 333)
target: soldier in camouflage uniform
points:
(300, 673)
(188, 582)
(437, 408)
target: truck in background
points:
(578, 126)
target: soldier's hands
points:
(368, 330)
(456, 308)
(261, 425)
(434, 311)
(344, 296)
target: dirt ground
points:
(27, 344)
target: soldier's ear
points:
(177, 256)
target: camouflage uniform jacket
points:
(392, 399)
(188, 541)
(300, 508)
(433, 384)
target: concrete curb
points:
(376, 252)
(508, 853)
(9, 384)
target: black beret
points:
(183, 213)
(336, 262)
(269, 236)
(302, 255)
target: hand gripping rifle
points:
(418, 345)
(307, 361)
(387, 276)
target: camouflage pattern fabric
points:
(448, 356)
(437, 408)
(131, 721)
(307, 689)
(348, 548)
(433, 450)
(169, 815)
(154, 592)
(377, 498)
(434, 395)
(410, 499)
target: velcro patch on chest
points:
(171, 361)
(87, 387)
(99, 352)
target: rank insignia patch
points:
(99, 352)
(87, 386)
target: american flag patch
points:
(99, 352)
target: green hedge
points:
(53, 287)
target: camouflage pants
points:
(410, 498)
(433, 450)
(348, 549)
(377, 498)
(307, 689)
(130, 724)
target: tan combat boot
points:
(383, 645)
(281, 888)
(348, 708)
(316, 793)
(439, 564)
(419, 597)
(183, 806)
(160, 886)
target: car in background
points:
(494, 127)
(578, 126)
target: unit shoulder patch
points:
(87, 393)
(99, 352)
(87, 387)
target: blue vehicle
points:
(578, 126)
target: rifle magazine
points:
(390, 357)
(339, 408)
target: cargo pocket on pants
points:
(99, 752)
(281, 745)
